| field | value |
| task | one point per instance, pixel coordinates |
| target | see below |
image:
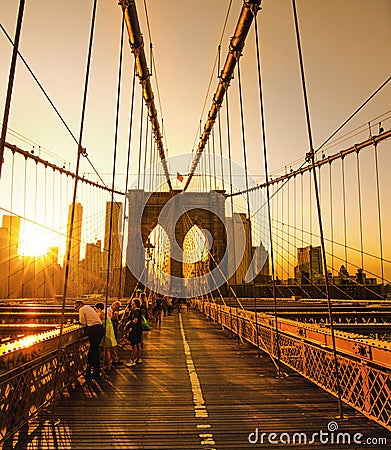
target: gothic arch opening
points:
(157, 255)
(195, 253)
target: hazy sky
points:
(346, 56)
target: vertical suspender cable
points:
(295, 215)
(80, 151)
(113, 184)
(221, 151)
(232, 212)
(214, 160)
(44, 221)
(137, 46)
(344, 213)
(209, 166)
(235, 48)
(324, 258)
(360, 208)
(249, 236)
(379, 214)
(145, 154)
(35, 229)
(24, 223)
(266, 167)
(10, 229)
(331, 219)
(219, 123)
(140, 143)
(127, 170)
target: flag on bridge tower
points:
(179, 177)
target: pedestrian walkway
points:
(198, 388)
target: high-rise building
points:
(93, 258)
(309, 267)
(116, 233)
(241, 248)
(12, 224)
(74, 281)
(10, 274)
(74, 256)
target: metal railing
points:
(33, 373)
(364, 364)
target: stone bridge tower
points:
(183, 209)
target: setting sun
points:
(33, 241)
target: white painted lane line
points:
(200, 409)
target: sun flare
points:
(33, 241)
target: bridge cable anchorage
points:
(249, 9)
(137, 46)
(320, 223)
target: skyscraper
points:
(74, 286)
(74, 256)
(116, 233)
(12, 224)
(309, 267)
(10, 275)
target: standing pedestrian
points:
(89, 318)
(110, 341)
(113, 313)
(135, 328)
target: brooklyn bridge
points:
(266, 237)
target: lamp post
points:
(148, 255)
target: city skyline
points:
(354, 205)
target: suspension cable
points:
(235, 49)
(109, 256)
(130, 134)
(232, 204)
(51, 104)
(266, 168)
(11, 77)
(216, 61)
(72, 218)
(137, 45)
(379, 214)
(249, 237)
(302, 169)
(360, 209)
(322, 243)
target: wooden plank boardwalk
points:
(197, 388)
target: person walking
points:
(89, 318)
(158, 310)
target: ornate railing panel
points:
(364, 364)
(30, 375)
